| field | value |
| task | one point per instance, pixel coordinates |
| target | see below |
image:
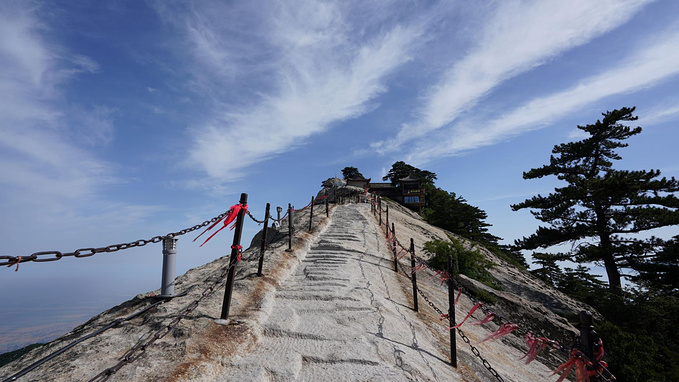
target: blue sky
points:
(123, 120)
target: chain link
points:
(281, 219)
(253, 218)
(139, 349)
(47, 256)
(476, 352)
(486, 311)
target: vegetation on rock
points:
(350, 173)
(400, 170)
(466, 261)
(451, 212)
(601, 209)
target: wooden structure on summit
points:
(408, 191)
(359, 181)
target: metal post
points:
(233, 259)
(393, 246)
(588, 337)
(387, 220)
(290, 228)
(412, 266)
(311, 216)
(279, 209)
(379, 207)
(169, 260)
(263, 247)
(451, 313)
(327, 212)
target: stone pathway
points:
(342, 315)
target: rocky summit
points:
(331, 308)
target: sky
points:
(123, 120)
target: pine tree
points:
(661, 271)
(600, 207)
(350, 173)
(548, 270)
(452, 212)
(401, 169)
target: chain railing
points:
(47, 256)
(376, 207)
(473, 348)
(140, 348)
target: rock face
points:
(332, 308)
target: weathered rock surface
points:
(332, 309)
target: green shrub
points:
(465, 261)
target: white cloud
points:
(315, 73)
(92, 127)
(516, 39)
(657, 61)
(29, 124)
(577, 134)
(50, 179)
(659, 114)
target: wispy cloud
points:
(659, 114)
(657, 60)
(30, 124)
(50, 178)
(315, 73)
(517, 38)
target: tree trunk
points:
(606, 249)
(613, 274)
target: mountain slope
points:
(333, 308)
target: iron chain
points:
(476, 352)
(47, 256)
(253, 218)
(140, 348)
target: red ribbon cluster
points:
(535, 344)
(477, 306)
(584, 368)
(401, 254)
(239, 248)
(230, 217)
(578, 362)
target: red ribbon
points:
(504, 329)
(418, 268)
(233, 213)
(580, 364)
(489, 317)
(402, 253)
(459, 293)
(444, 276)
(478, 305)
(239, 248)
(535, 345)
(598, 352)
